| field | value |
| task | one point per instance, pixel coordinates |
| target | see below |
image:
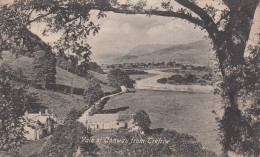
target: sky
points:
(119, 33)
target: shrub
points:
(162, 80)
(119, 78)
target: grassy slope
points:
(58, 103)
(104, 81)
(182, 111)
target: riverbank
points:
(151, 83)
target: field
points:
(183, 111)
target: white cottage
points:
(38, 125)
(108, 121)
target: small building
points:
(108, 121)
(123, 89)
(38, 125)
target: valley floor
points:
(185, 112)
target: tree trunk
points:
(230, 46)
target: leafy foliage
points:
(176, 145)
(13, 103)
(240, 127)
(93, 93)
(119, 78)
(142, 119)
(162, 80)
(71, 63)
(44, 66)
(71, 18)
(68, 139)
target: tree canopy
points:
(142, 119)
(119, 78)
(13, 104)
(69, 140)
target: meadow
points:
(185, 112)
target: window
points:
(117, 123)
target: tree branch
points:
(153, 12)
(222, 18)
(209, 24)
(41, 16)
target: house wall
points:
(31, 133)
(106, 125)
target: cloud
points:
(175, 32)
(120, 33)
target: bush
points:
(93, 92)
(191, 78)
(67, 139)
(176, 144)
(142, 119)
(119, 78)
(176, 78)
(162, 80)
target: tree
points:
(240, 128)
(190, 78)
(68, 140)
(228, 28)
(119, 78)
(162, 80)
(142, 119)
(44, 65)
(13, 103)
(93, 92)
(73, 114)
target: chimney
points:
(40, 113)
(46, 111)
(26, 115)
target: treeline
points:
(72, 64)
(134, 72)
(119, 78)
(187, 79)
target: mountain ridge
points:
(167, 52)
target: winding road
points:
(83, 117)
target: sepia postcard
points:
(137, 78)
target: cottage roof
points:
(103, 118)
(36, 117)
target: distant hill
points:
(198, 52)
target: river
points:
(152, 84)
